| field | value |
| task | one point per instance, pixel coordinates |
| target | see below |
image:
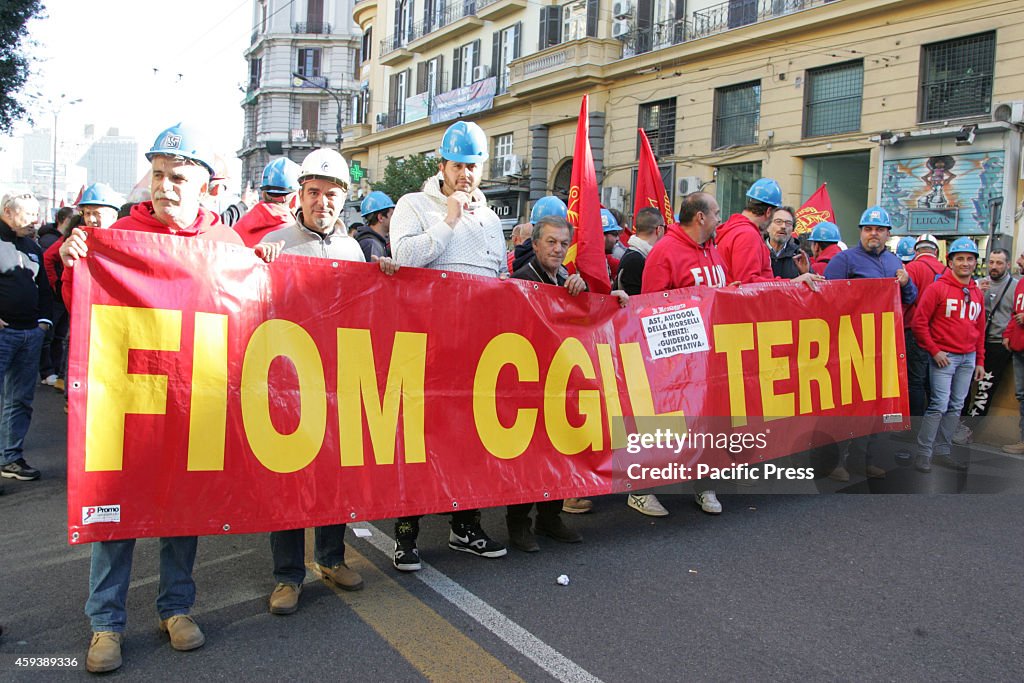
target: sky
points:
(142, 66)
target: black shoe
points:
(556, 529)
(407, 556)
(949, 462)
(19, 470)
(923, 464)
(521, 538)
(471, 538)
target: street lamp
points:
(299, 78)
(56, 109)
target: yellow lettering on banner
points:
(501, 441)
(208, 410)
(358, 394)
(638, 388)
(612, 405)
(732, 340)
(564, 437)
(890, 375)
(771, 369)
(857, 358)
(814, 331)
(113, 391)
(283, 452)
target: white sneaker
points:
(708, 502)
(50, 380)
(647, 505)
(963, 435)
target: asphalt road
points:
(839, 586)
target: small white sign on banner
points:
(674, 332)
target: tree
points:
(403, 175)
(14, 63)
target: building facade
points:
(113, 159)
(913, 104)
(303, 60)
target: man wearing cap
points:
(376, 210)
(280, 181)
(611, 228)
(924, 269)
(316, 231)
(181, 167)
(25, 308)
(950, 326)
(449, 226)
(824, 241)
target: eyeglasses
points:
(779, 221)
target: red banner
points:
(816, 209)
(650, 188)
(211, 393)
(586, 253)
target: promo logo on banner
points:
(211, 393)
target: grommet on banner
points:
(628, 485)
(455, 504)
(351, 515)
(76, 385)
(664, 294)
(226, 527)
(334, 264)
(536, 286)
(547, 495)
(74, 536)
(444, 276)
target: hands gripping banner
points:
(211, 393)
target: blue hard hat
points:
(182, 140)
(464, 142)
(962, 245)
(101, 194)
(281, 176)
(905, 249)
(767, 191)
(549, 206)
(875, 215)
(825, 232)
(608, 222)
(375, 201)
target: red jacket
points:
(923, 270)
(207, 226)
(1014, 330)
(258, 221)
(678, 261)
(820, 262)
(51, 261)
(950, 319)
(744, 251)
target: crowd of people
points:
(957, 329)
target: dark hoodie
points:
(783, 265)
(522, 255)
(372, 243)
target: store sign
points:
(506, 205)
(933, 220)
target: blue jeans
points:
(949, 391)
(289, 551)
(19, 367)
(1018, 377)
(111, 572)
(917, 374)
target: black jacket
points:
(48, 234)
(372, 243)
(25, 296)
(783, 265)
(631, 272)
(533, 272)
(523, 254)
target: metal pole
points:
(53, 188)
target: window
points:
(506, 48)
(560, 23)
(403, 23)
(309, 62)
(315, 16)
(737, 111)
(502, 145)
(658, 119)
(310, 118)
(263, 16)
(429, 76)
(254, 73)
(733, 181)
(574, 20)
(358, 106)
(956, 77)
(364, 54)
(399, 94)
(832, 99)
(467, 58)
(742, 12)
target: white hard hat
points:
(325, 164)
(926, 239)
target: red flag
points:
(650, 189)
(815, 210)
(78, 197)
(586, 253)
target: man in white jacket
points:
(448, 226)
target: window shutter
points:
(316, 62)
(393, 94)
(476, 53)
(593, 8)
(440, 74)
(554, 25)
(421, 78)
(517, 40)
(543, 33)
(496, 52)
(457, 69)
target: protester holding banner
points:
(686, 257)
(182, 165)
(650, 227)
(449, 226)
(950, 326)
(788, 259)
(280, 181)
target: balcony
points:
(301, 137)
(457, 19)
(729, 15)
(312, 27)
(393, 50)
(316, 82)
(646, 38)
(490, 10)
(569, 66)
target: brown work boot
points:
(1014, 448)
(104, 652)
(342, 577)
(577, 506)
(184, 632)
(285, 598)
